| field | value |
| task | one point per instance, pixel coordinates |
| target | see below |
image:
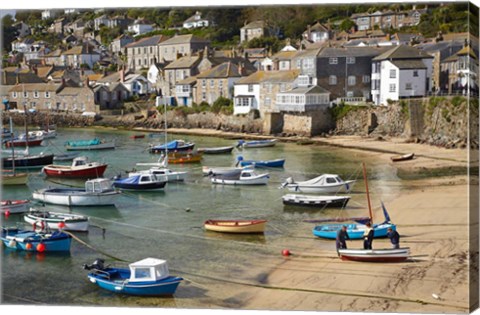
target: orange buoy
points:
(286, 252)
(41, 247)
(61, 225)
(28, 246)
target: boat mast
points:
(13, 147)
(165, 162)
(368, 194)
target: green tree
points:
(346, 25)
(9, 32)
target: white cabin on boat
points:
(148, 269)
(98, 185)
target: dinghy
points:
(257, 143)
(57, 220)
(326, 183)
(32, 241)
(375, 255)
(235, 226)
(14, 206)
(315, 201)
(246, 177)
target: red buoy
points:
(41, 248)
(61, 225)
(7, 213)
(286, 252)
(28, 246)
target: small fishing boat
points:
(375, 255)
(65, 157)
(140, 181)
(315, 201)
(246, 177)
(11, 178)
(81, 168)
(228, 171)
(235, 226)
(92, 144)
(27, 161)
(184, 157)
(173, 146)
(57, 220)
(140, 136)
(326, 183)
(24, 142)
(405, 157)
(14, 206)
(161, 169)
(45, 134)
(97, 192)
(260, 163)
(32, 241)
(147, 277)
(216, 150)
(256, 143)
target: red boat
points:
(137, 136)
(81, 168)
(23, 142)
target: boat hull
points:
(14, 206)
(182, 148)
(57, 242)
(235, 226)
(375, 255)
(405, 157)
(140, 187)
(314, 201)
(332, 189)
(33, 161)
(62, 172)
(218, 150)
(355, 231)
(23, 143)
(272, 163)
(258, 144)
(52, 220)
(15, 179)
(258, 180)
(164, 287)
(102, 146)
(75, 197)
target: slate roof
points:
(409, 64)
(327, 52)
(184, 62)
(187, 81)
(71, 91)
(318, 27)
(10, 78)
(193, 18)
(284, 55)
(148, 41)
(40, 87)
(81, 50)
(403, 52)
(270, 76)
(255, 24)
(224, 70)
(182, 39)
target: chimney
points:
(122, 75)
(205, 52)
(240, 68)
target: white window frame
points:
(392, 88)
(333, 61)
(332, 80)
(366, 79)
(350, 60)
(408, 86)
(36, 94)
(14, 95)
(393, 74)
(47, 94)
(351, 80)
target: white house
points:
(247, 93)
(140, 27)
(401, 72)
(136, 84)
(303, 97)
(49, 13)
(195, 21)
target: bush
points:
(457, 100)
(220, 103)
(341, 110)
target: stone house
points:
(181, 45)
(58, 26)
(99, 21)
(185, 91)
(76, 99)
(117, 46)
(346, 72)
(145, 52)
(22, 29)
(110, 96)
(317, 33)
(178, 70)
(80, 55)
(387, 19)
(218, 81)
(54, 58)
(401, 72)
(460, 72)
(196, 21)
(252, 30)
(271, 84)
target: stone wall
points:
(307, 124)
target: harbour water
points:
(168, 224)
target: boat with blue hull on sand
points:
(15, 238)
(260, 163)
(147, 277)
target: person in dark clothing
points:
(342, 235)
(368, 236)
(394, 237)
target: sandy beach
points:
(432, 217)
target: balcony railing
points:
(299, 108)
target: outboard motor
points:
(98, 264)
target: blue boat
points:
(32, 241)
(147, 277)
(141, 181)
(355, 231)
(260, 163)
(173, 146)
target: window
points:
(331, 180)
(48, 105)
(350, 60)
(393, 74)
(145, 61)
(352, 80)
(250, 88)
(212, 83)
(204, 96)
(243, 101)
(393, 88)
(268, 101)
(307, 63)
(366, 79)
(141, 273)
(145, 50)
(408, 86)
(268, 87)
(139, 62)
(349, 93)
(14, 95)
(333, 60)
(304, 80)
(332, 80)
(25, 94)
(283, 87)
(415, 73)
(151, 50)
(36, 94)
(47, 94)
(204, 83)
(138, 50)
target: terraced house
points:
(145, 52)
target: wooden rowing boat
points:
(235, 226)
(405, 157)
(375, 255)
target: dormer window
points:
(304, 80)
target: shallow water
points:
(169, 224)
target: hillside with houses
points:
(292, 62)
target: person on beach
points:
(368, 236)
(394, 238)
(342, 235)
